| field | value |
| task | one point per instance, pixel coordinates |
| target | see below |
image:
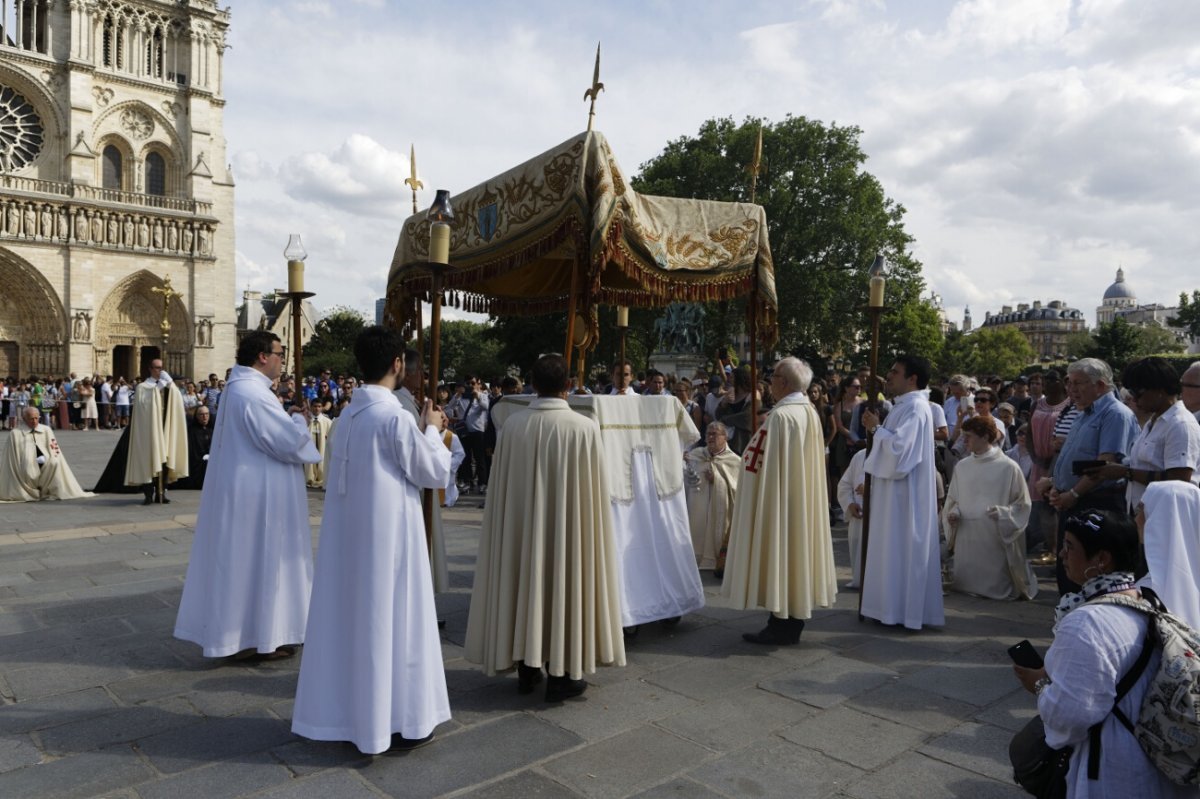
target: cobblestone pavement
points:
(97, 698)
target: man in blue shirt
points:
(1104, 431)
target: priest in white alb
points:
(780, 547)
(372, 671)
(32, 466)
(710, 501)
(903, 580)
(547, 591)
(158, 452)
(318, 428)
(250, 573)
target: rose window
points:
(20, 131)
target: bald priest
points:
(32, 467)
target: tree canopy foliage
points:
(1000, 351)
(332, 344)
(1118, 342)
(1189, 314)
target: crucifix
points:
(168, 294)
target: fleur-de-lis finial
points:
(597, 87)
(412, 181)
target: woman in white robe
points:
(1170, 526)
(1095, 645)
(987, 508)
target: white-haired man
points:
(32, 466)
(780, 550)
(1105, 431)
(1190, 393)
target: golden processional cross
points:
(168, 294)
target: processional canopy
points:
(520, 241)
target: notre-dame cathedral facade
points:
(113, 179)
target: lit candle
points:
(295, 277)
(877, 291)
(439, 243)
(622, 316)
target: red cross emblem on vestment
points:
(754, 453)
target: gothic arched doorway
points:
(129, 326)
(33, 325)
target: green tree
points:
(912, 327)
(1189, 314)
(1001, 351)
(1154, 339)
(332, 344)
(1116, 343)
(956, 355)
(827, 218)
(468, 348)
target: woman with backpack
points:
(1095, 645)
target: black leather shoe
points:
(560, 688)
(631, 632)
(778, 632)
(672, 621)
(402, 744)
(527, 678)
(148, 501)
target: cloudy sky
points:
(1037, 144)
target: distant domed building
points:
(1045, 326)
(1117, 297)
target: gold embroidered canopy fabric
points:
(517, 239)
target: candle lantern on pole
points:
(623, 326)
(878, 282)
(440, 215)
(296, 254)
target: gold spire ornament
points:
(755, 165)
(597, 87)
(412, 181)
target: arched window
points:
(109, 50)
(111, 179)
(156, 175)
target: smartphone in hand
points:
(1023, 654)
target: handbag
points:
(1039, 769)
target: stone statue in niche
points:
(127, 231)
(81, 327)
(81, 226)
(205, 240)
(97, 223)
(114, 230)
(157, 234)
(63, 229)
(47, 222)
(12, 219)
(143, 233)
(204, 333)
(187, 238)
(172, 237)
(29, 218)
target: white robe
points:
(250, 572)
(710, 502)
(22, 479)
(373, 659)
(156, 435)
(780, 548)
(1172, 537)
(848, 494)
(546, 579)
(903, 583)
(318, 428)
(989, 553)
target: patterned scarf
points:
(1097, 586)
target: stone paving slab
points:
(98, 699)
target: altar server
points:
(250, 572)
(903, 583)
(372, 672)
